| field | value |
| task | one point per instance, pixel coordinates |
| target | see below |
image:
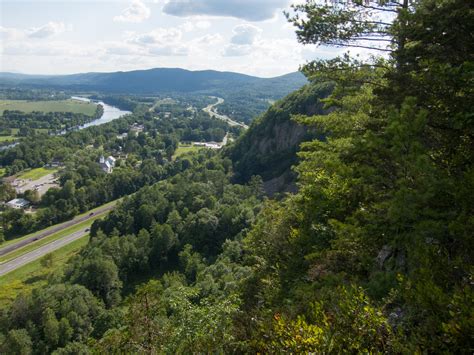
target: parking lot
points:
(41, 185)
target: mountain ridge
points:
(156, 80)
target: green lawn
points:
(184, 149)
(35, 174)
(7, 138)
(33, 275)
(75, 106)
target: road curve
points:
(24, 259)
(55, 229)
(209, 109)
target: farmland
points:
(184, 149)
(35, 174)
(74, 106)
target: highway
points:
(24, 259)
(57, 228)
(210, 110)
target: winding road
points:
(210, 109)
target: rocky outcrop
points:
(269, 147)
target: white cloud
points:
(202, 25)
(122, 49)
(163, 36)
(47, 30)
(208, 40)
(159, 42)
(245, 34)
(8, 33)
(136, 12)
(187, 26)
(40, 49)
(167, 50)
(235, 50)
(243, 41)
(251, 10)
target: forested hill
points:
(269, 148)
(160, 80)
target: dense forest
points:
(372, 253)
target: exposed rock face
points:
(390, 258)
(383, 255)
(269, 148)
(281, 184)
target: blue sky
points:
(60, 37)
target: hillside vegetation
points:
(373, 254)
(245, 96)
(269, 147)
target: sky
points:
(76, 36)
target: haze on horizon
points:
(66, 37)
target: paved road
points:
(55, 229)
(24, 259)
(210, 110)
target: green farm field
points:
(184, 149)
(35, 174)
(7, 139)
(48, 106)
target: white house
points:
(18, 203)
(211, 145)
(108, 164)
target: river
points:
(110, 113)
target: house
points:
(211, 145)
(108, 164)
(18, 203)
(137, 128)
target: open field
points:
(33, 275)
(183, 149)
(7, 139)
(35, 174)
(75, 106)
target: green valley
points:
(225, 213)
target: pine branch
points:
(357, 46)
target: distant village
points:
(41, 185)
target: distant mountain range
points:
(159, 80)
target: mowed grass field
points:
(35, 174)
(184, 149)
(75, 106)
(7, 139)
